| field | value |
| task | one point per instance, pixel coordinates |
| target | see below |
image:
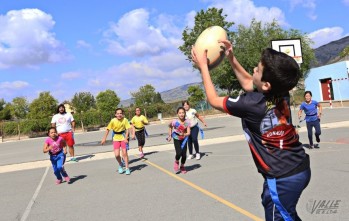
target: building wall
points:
(337, 73)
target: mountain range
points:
(326, 54)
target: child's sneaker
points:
(58, 182)
(176, 166)
(183, 170)
(67, 179)
(198, 156)
(317, 138)
(141, 155)
(311, 146)
(127, 171)
(73, 159)
(120, 170)
(190, 156)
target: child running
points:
(312, 118)
(272, 140)
(120, 126)
(57, 148)
(138, 130)
(179, 130)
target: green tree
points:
(344, 53)
(83, 101)
(248, 45)
(222, 75)
(145, 95)
(157, 99)
(107, 101)
(20, 107)
(43, 107)
(250, 41)
(5, 110)
(196, 95)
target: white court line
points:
(31, 202)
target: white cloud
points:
(326, 35)
(70, 75)
(26, 40)
(13, 85)
(83, 44)
(133, 35)
(307, 4)
(243, 11)
(162, 72)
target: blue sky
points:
(67, 47)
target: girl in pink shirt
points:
(57, 149)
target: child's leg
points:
(289, 190)
(178, 149)
(194, 132)
(60, 164)
(317, 130)
(183, 153)
(124, 153)
(56, 171)
(310, 132)
(117, 145)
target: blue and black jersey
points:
(273, 141)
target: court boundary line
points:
(206, 192)
(32, 200)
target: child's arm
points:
(126, 135)
(212, 97)
(64, 146)
(320, 110)
(201, 118)
(188, 132)
(145, 120)
(105, 136)
(46, 148)
(133, 131)
(244, 78)
(169, 132)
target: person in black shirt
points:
(265, 116)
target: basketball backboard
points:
(291, 47)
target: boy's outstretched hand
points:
(199, 61)
(228, 47)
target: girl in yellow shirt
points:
(138, 130)
(120, 126)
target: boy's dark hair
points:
(180, 108)
(48, 131)
(122, 110)
(308, 92)
(185, 102)
(61, 105)
(280, 70)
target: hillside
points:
(328, 53)
(172, 95)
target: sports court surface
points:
(223, 185)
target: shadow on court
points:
(76, 178)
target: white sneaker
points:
(198, 156)
(191, 156)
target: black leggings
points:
(193, 139)
(180, 153)
(140, 137)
